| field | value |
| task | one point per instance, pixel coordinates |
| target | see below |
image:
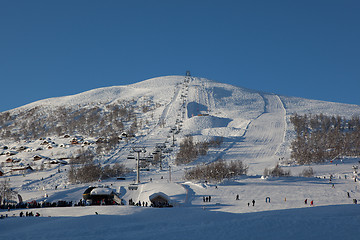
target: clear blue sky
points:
(304, 48)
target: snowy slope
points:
(255, 128)
(254, 125)
(102, 96)
(330, 222)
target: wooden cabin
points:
(16, 169)
(37, 158)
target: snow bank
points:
(337, 222)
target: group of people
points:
(35, 204)
(139, 204)
(311, 203)
(354, 200)
(158, 204)
(29, 214)
(207, 199)
(253, 203)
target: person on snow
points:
(312, 203)
(237, 197)
(305, 201)
(253, 202)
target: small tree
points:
(83, 169)
(6, 193)
(308, 172)
(115, 171)
(277, 171)
(188, 152)
(217, 171)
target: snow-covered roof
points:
(101, 191)
(161, 194)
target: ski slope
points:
(263, 136)
(255, 129)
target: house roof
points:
(161, 194)
(101, 191)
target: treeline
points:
(277, 171)
(88, 121)
(189, 150)
(320, 138)
(217, 171)
(83, 169)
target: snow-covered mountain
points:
(253, 126)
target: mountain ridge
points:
(111, 93)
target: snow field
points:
(256, 129)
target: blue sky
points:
(304, 48)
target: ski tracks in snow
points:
(113, 158)
(262, 138)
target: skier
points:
(253, 202)
(348, 194)
(237, 197)
(209, 198)
(312, 203)
(305, 201)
